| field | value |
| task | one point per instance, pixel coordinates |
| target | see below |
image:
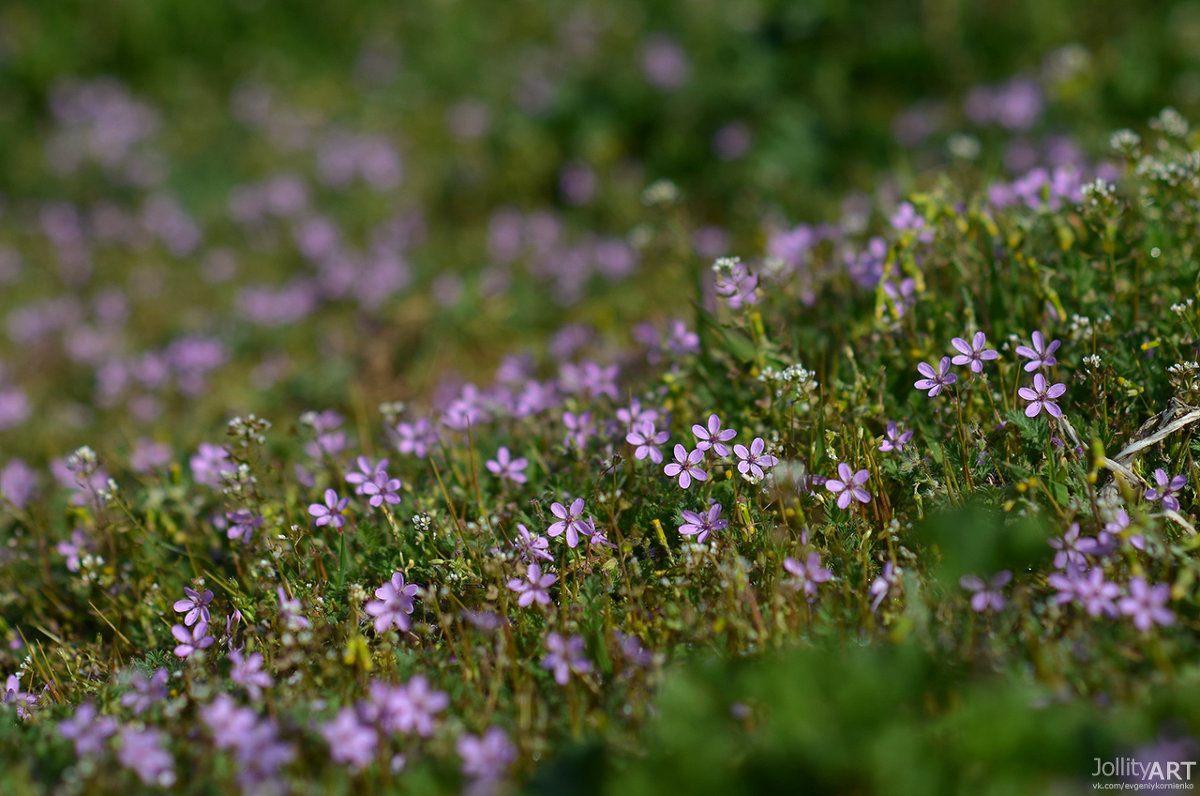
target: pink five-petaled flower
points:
(330, 513)
(1041, 355)
(1042, 396)
(531, 546)
(1167, 487)
(754, 461)
(248, 672)
(892, 441)
(883, 584)
(194, 606)
(191, 639)
(506, 467)
(366, 473)
(713, 436)
(935, 380)
(807, 574)
(570, 521)
(564, 656)
(987, 596)
(686, 466)
(848, 486)
(350, 740)
(409, 708)
(486, 758)
(87, 730)
(394, 605)
(646, 440)
(534, 587)
(1147, 604)
(974, 352)
(701, 523)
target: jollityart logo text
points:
(1149, 775)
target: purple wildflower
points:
(1096, 594)
(191, 640)
(903, 295)
(1042, 396)
(350, 741)
(848, 486)
(686, 466)
(565, 656)
(1147, 604)
(394, 604)
(646, 440)
(1040, 355)
(409, 708)
(882, 585)
(935, 380)
(87, 730)
(366, 473)
(73, 549)
(508, 468)
(701, 524)
(580, 429)
(531, 545)
(289, 611)
(807, 574)
(892, 441)
(631, 647)
(194, 606)
(535, 587)
(735, 283)
(382, 489)
(973, 353)
(1071, 549)
(142, 752)
(17, 483)
(713, 436)
(486, 757)
(210, 464)
(248, 673)
(754, 461)
(331, 512)
(416, 438)
(1167, 489)
(145, 691)
(570, 521)
(242, 524)
(987, 596)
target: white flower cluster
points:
(249, 430)
(239, 481)
(795, 382)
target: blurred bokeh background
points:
(220, 207)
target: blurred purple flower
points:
(508, 468)
(987, 596)
(1147, 605)
(565, 656)
(393, 604)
